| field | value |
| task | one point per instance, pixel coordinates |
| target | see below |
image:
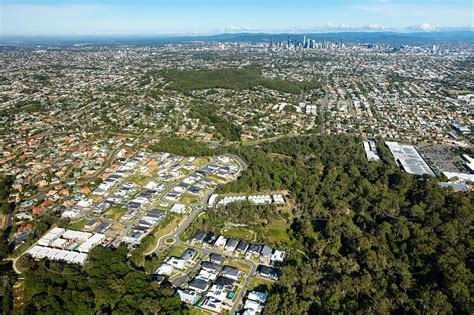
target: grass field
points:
(187, 199)
(163, 207)
(115, 213)
(201, 161)
(177, 250)
(240, 233)
(118, 227)
(261, 284)
(139, 179)
(169, 227)
(184, 171)
(164, 230)
(276, 233)
(23, 247)
(78, 225)
(216, 178)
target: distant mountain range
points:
(391, 38)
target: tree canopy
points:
(231, 78)
(376, 240)
(107, 284)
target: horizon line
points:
(236, 32)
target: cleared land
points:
(79, 225)
(187, 199)
(276, 233)
(139, 180)
(240, 233)
(177, 250)
(260, 284)
(115, 213)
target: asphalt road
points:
(196, 210)
(205, 252)
(242, 292)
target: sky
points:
(176, 17)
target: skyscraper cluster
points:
(305, 43)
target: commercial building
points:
(408, 158)
(371, 152)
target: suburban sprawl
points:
(290, 175)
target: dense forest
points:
(107, 285)
(374, 239)
(377, 240)
(6, 183)
(228, 78)
(206, 113)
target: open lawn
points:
(187, 199)
(78, 225)
(201, 161)
(22, 248)
(168, 227)
(184, 171)
(115, 213)
(275, 233)
(216, 178)
(260, 284)
(177, 250)
(240, 233)
(158, 206)
(139, 179)
(118, 227)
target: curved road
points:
(196, 210)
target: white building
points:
(178, 208)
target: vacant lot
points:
(177, 250)
(139, 179)
(276, 233)
(115, 213)
(260, 284)
(187, 199)
(240, 233)
(78, 225)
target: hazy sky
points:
(76, 17)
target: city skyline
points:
(144, 17)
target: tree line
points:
(106, 285)
(230, 78)
(377, 240)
